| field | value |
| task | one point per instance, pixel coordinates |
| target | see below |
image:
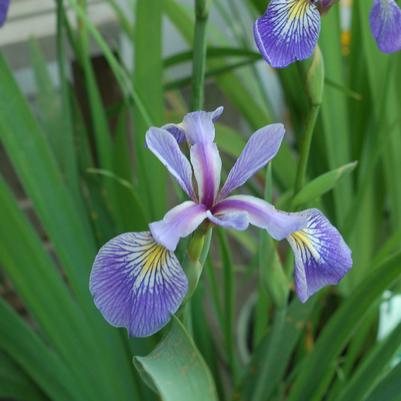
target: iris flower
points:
(289, 29)
(4, 4)
(137, 282)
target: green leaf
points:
(176, 368)
(54, 117)
(42, 180)
(372, 368)
(65, 221)
(44, 367)
(212, 52)
(271, 357)
(389, 389)
(15, 384)
(322, 184)
(147, 79)
(318, 368)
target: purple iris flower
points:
(137, 281)
(4, 4)
(289, 29)
(385, 22)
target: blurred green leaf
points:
(389, 389)
(65, 220)
(318, 367)
(271, 357)
(322, 184)
(15, 384)
(147, 79)
(19, 341)
(212, 52)
(176, 368)
(374, 366)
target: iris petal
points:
(4, 5)
(385, 22)
(166, 148)
(262, 214)
(288, 31)
(321, 255)
(206, 162)
(178, 223)
(237, 220)
(137, 284)
(199, 125)
(262, 146)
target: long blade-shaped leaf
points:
(318, 367)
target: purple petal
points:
(166, 148)
(321, 255)
(176, 130)
(137, 284)
(385, 22)
(199, 126)
(206, 162)
(288, 31)
(235, 220)
(178, 223)
(260, 149)
(262, 214)
(4, 5)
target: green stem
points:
(229, 301)
(197, 251)
(199, 58)
(314, 81)
(305, 147)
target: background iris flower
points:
(4, 5)
(289, 29)
(385, 22)
(137, 281)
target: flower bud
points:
(315, 78)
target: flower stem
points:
(314, 86)
(305, 147)
(199, 58)
(197, 251)
(229, 302)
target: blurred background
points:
(80, 83)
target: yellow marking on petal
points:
(298, 9)
(158, 252)
(302, 239)
(156, 257)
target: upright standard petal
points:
(288, 31)
(206, 161)
(321, 255)
(4, 5)
(166, 148)
(199, 126)
(262, 214)
(260, 149)
(178, 223)
(137, 283)
(385, 23)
